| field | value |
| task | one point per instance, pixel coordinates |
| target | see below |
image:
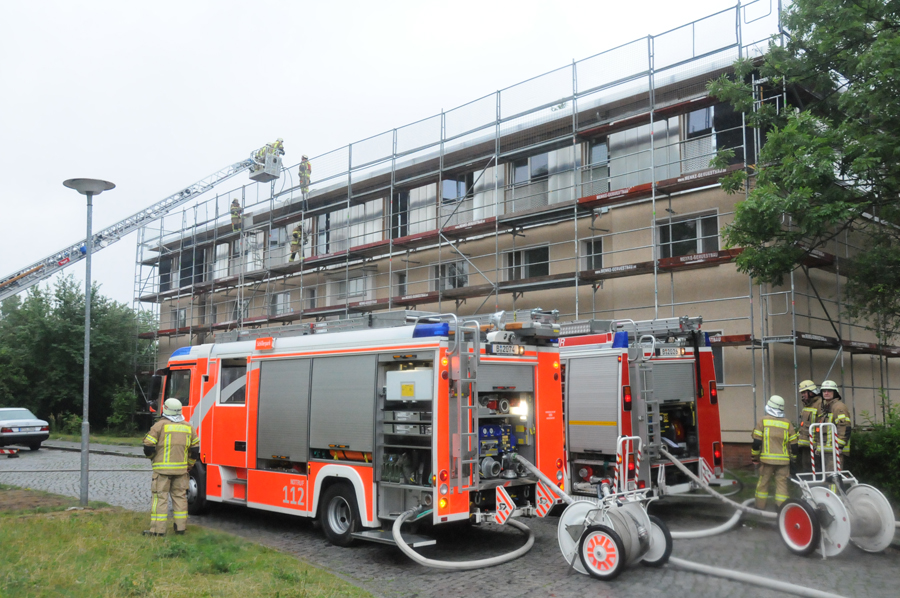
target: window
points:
(233, 381)
(221, 265)
(309, 298)
(689, 235)
(458, 188)
(351, 288)
(400, 214)
(280, 304)
(592, 250)
(400, 283)
(240, 310)
(179, 317)
(453, 275)
(178, 386)
(528, 263)
(699, 123)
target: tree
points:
(830, 164)
(42, 351)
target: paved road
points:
(384, 571)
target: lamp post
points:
(89, 187)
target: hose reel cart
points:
(835, 508)
(599, 537)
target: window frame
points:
(588, 257)
(442, 275)
(233, 363)
(700, 240)
(520, 270)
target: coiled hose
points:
(459, 565)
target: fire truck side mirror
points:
(155, 388)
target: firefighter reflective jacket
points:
(305, 170)
(296, 238)
(837, 413)
(809, 415)
(173, 442)
(772, 439)
(236, 211)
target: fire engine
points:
(653, 379)
(354, 421)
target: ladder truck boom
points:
(30, 275)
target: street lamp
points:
(89, 187)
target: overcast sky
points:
(154, 96)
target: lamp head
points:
(92, 186)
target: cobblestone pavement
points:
(385, 571)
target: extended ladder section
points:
(652, 415)
(50, 265)
(680, 327)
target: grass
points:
(134, 440)
(100, 552)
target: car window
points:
(16, 414)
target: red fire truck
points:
(354, 421)
(654, 379)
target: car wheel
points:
(196, 494)
(339, 514)
(34, 446)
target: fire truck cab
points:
(654, 379)
(355, 421)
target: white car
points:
(20, 426)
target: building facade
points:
(588, 190)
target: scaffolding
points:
(572, 190)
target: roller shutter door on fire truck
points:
(342, 407)
(592, 386)
(283, 426)
(673, 382)
(492, 376)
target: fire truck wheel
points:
(339, 514)
(602, 552)
(660, 544)
(799, 526)
(197, 490)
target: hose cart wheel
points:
(872, 518)
(660, 544)
(799, 526)
(601, 552)
(834, 519)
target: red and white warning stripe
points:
(545, 500)
(505, 506)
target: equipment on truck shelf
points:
(357, 421)
(653, 379)
(835, 508)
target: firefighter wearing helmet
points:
(774, 442)
(812, 410)
(834, 411)
(173, 447)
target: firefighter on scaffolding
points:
(298, 240)
(834, 411)
(236, 213)
(774, 444)
(812, 410)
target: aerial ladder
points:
(262, 169)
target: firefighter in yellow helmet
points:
(173, 447)
(774, 441)
(834, 411)
(812, 409)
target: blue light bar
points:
(706, 336)
(439, 329)
(182, 352)
(620, 340)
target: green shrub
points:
(121, 418)
(875, 454)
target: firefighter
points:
(173, 447)
(269, 148)
(305, 175)
(773, 438)
(236, 211)
(278, 146)
(298, 240)
(834, 411)
(812, 409)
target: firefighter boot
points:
(148, 532)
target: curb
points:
(94, 451)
